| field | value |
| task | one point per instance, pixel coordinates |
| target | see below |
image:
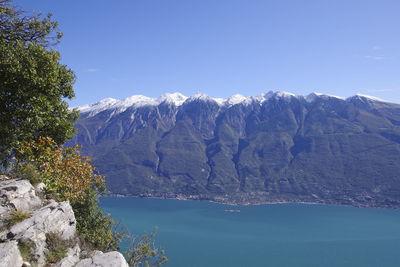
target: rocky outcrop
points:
(98, 259)
(54, 217)
(73, 257)
(18, 195)
(9, 254)
(110, 259)
(26, 221)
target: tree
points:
(33, 82)
(18, 26)
(35, 122)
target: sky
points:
(224, 47)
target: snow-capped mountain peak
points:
(137, 101)
(178, 99)
(98, 106)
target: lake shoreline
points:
(258, 203)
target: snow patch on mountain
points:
(136, 101)
(237, 99)
(199, 96)
(313, 96)
(283, 94)
(172, 98)
(373, 98)
(98, 107)
(279, 94)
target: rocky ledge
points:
(27, 222)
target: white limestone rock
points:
(100, 259)
(4, 211)
(10, 255)
(18, 194)
(54, 217)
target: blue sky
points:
(223, 47)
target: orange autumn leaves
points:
(66, 174)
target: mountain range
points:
(276, 147)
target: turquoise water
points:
(203, 234)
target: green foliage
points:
(33, 82)
(17, 25)
(16, 217)
(66, 174)
(70, 176)
(26, 248)
(57, 247)
(94, 226)
(29, 172)
(143, 252)
(35, 122)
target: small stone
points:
(40, 187)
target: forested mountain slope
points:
(271, 148)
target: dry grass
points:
(57, 247)
(16, 217)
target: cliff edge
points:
(37, 231)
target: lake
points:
(204, 234)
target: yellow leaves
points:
(70, 176)
(67, 174)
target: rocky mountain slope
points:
(30, 225)
(276, 147)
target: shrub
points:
(28, 171)
(143, 252)
(96, 227)
(67, 174)
(70, 176)
(26, 248)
